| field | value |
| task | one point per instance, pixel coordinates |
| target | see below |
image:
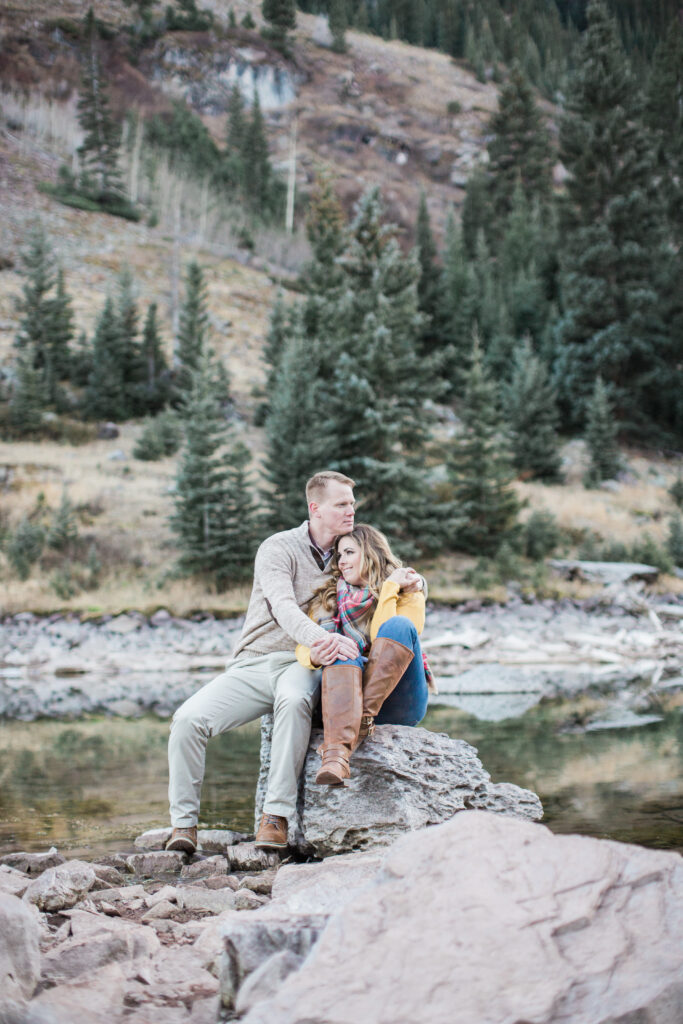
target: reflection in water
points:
(92, 785)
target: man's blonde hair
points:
(317, 485)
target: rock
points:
(160, 617)
(142, 942)
(123, 624)
(215, 865)
(322, 887)
(495, 679)
(175, 976)
(251, 939)
(222, 882)
(118, 455)
(124, 893)
(107, 431)
(12, 881)
(61, 887)
(505, 798)
(401, 779)
(95, 999)
(245, 899)
(154, 863)
(19, 952)
(194, 897)
(262, 883)
(670, 611)
(33, 863)
(266, 979)
(468, 637)
(605, 572)
(214, 840)
(161, 910)
(153, 839)
(167, 892)
(78, 956)
(488, 919)
(108, 874)
(246, 857)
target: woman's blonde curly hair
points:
(377, 562)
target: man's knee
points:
(187, 721)
(400, 628)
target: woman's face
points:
(349, 561)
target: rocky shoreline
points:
(128, 665)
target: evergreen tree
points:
(273, 349)
(476, 211)
(323, 276)
(256, 164)
(155, 391)
(61, 330)
(611, 254)
(337, 22)
(674, 543)
(100, 147)
(281, 15)
(194, 325)
(63, 531)
(457, 306)
(601, 437)
(213, 516)
(132, 366)
(232, 171)
(520, 148)
(105, 394)
(29, 396)
(481, 466)
(428, 285)
(532, 417)
(25, 546)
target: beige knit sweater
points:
(286, 575)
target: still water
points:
(92, 785)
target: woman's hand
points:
(407, 579)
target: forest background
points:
(470, 302)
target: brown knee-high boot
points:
(342, 704)
(387, 661)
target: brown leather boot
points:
(272, 832)
(387, 661)
(342, 705)
(183, 839)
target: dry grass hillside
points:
(377, 114)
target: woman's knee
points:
(348, 661)
(400, 628)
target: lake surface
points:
(91, 785)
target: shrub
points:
(674, 541)
(63, 532)
(676, 491)
(541, 535)
(646, 549)
(25, 546)
(454, 107)
(63, 583)
(161, 436)
(507, 563)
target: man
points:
(264, 675)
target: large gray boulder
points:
(402, 779)
(490, 919)
(19, 953)
(61, 887)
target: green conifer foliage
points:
(25, 546)
(476, 210)
(481, 466)
(611, 254)
(132, 365)
(257, 169)
(674, 543)
(213, 516)
(194, 325)
(601, 437)
(531, 417)
(273, 349)
(155, 389)
(457, 305)
(100, 147)
(323, 276)
(63, 531)
(29, 396)
(337, 22)
(281, 14)
(61, 330)
(520, 149)
(105, 395)
(428, 285)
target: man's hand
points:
(334, 647)
(408, 580)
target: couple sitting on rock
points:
(326, 596)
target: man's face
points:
(334, 513)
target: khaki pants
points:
(249, 688)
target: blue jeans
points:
(407, 704)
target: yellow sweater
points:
(392, 601)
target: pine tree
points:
(63, 531)
(37, 325)
(105, 394)
(130, 354)
(29, 396)
(232, 170)
(155, 390)
(337, 22)
(457, 306)
(428, 285)
(323, 276)
(476, 211)
(532, 417)
(481, 467)
(611, 255)
(194, 325)
(281, 15)
(25, 546)
(674, 543)
(601, 437)
(520, 148)
(100, 148)
(273, 349)
(61, 330)
(257, 170)
(213, 517)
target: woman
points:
(365, 598)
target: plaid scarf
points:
(352, 604)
